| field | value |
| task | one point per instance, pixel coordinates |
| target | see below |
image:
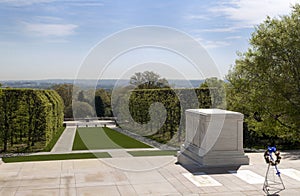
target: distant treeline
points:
(29, 118)
(107, 84)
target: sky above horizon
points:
(50, 39)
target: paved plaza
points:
(157, 175)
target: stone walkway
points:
(142, 176)
(65, 142)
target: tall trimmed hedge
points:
(29, 118)
(175, 101)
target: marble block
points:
(214, 137)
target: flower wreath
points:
(269, 159)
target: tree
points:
(217, 91)
(65, 91)
(82, 110)
(148, 80)
(81, 97)
(99, 107)
(102, 103)
(265, 82)
(29, 117)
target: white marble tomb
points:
(214, 137)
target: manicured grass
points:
(51, 144)
(153, 153)
(51, 157)
(124, 140)
(103, 138)
(78, 144)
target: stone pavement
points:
(142, 176)
(65, 142)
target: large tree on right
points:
(264, 84)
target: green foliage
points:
(81, 97)
(148, 80)
(99, 106)
(217, 91)
(65, 91)
(265, 82)
(29, 118)
(102, 103)
(100, 99)
(54, 139)
(82, 110)
(175, 103)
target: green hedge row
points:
(29, 118)
(175, 102)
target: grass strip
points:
(92, 138)
(124, 140)
(52, 157)
(78, 144)
(51, 144)
(153, 153)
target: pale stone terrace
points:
(142, 176)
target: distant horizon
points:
(87, 83)
(91, 79)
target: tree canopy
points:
(29, 118)
(265, 81)
(148, 80)
(65, 91)
(102, 103)
(82, 110)
(217, 91)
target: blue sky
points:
(49, 39)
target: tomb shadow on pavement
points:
(291, 155)
(196, 168)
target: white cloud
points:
(219, 30)
(215, 44)
(253, 12)
(197, 17)
(58, 30)
(47, 19)
(233, 37)
(85, 3)
(24, 2)
(20, 3)
(209, 44)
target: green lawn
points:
(153, 153)
(50, 157)
(92, 138)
